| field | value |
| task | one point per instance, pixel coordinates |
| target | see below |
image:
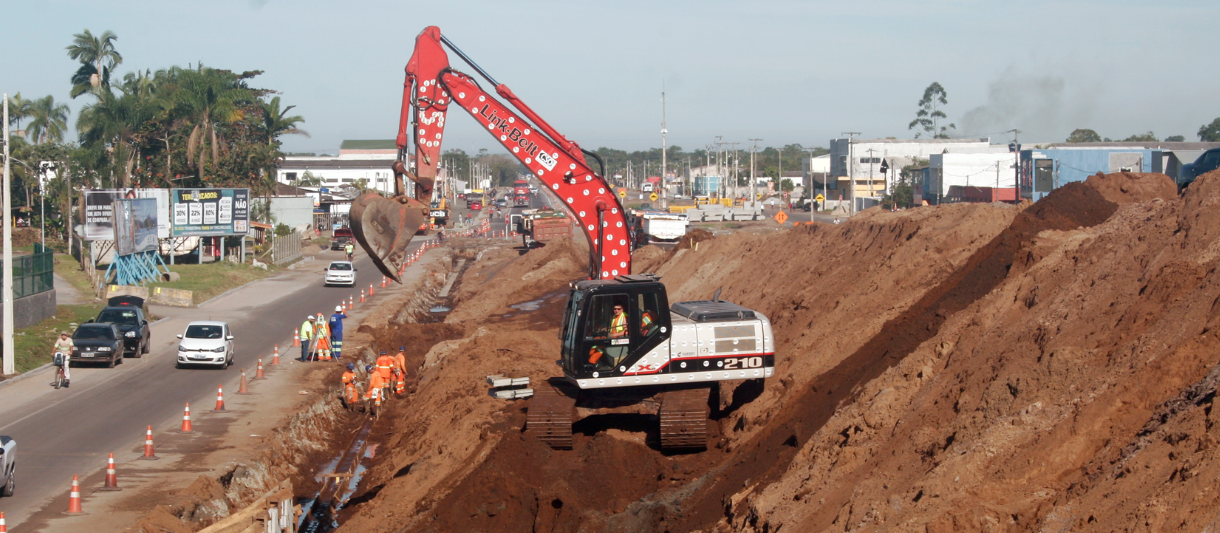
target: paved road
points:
(69, 431)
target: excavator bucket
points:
(384, 227)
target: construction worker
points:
(336, 331)
(323, 336)
(618, 324)
(350, 396)
(400, 367)
(385, 368)
(349, 249)
(645, 322)
(376, 386)
(306, 334)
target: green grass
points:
(33, 344)
(68, 268)
(211, 279)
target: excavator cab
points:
(609, 324)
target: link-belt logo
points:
(514, 134)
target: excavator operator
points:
(618, 324)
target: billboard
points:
(99, 211)
(210, 212)
(135, 225)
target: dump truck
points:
(541, 225)
(659, 225)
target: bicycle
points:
(60, 378)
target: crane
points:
(623, 343)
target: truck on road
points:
(8, 465)
(521, 193)
(659, 226)
(541, 225)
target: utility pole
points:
(736, 164)
(870, 172)
(720, 174)
(850, 175)
(753, 180)
(779, 179)
(664, 160)
(9, 365)
(1016, 170)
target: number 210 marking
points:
(743, 362)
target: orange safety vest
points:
(349, 385)
(402, 363)
(618, 326)
(376, 382)
(645, 321)
(385, 367)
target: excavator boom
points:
(384, 226)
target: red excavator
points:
(623, 343)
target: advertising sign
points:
(135, 225)
(99, 211)
(210, 212)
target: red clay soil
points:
(955, 368)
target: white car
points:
(206, 343)
(340, 273)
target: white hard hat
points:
(339, 308)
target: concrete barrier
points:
(172, 297)
(126, 290)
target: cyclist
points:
(349, 248)
(65, 346)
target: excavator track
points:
(549, 418)
(684, 415)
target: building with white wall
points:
(864, 159)
(989, 169)
(369, 160)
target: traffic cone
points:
(112, 480)
(186, 419)
(220, 398)
(361, 295)
(370, 290)
(3, 528)
(74, 497)
(383, 282)
(258, 373)
(296, 339)
(275, 357)
(149, 453)
(242, 389)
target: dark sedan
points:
(96, 343)
(132, 326)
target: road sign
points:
(781, 217)
(622, 193)
(820, 198)
(653, 197)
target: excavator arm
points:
(431, 86)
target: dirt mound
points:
(961, 367)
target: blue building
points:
(1051, 166)
(706, 185)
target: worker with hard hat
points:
(400, 368)
(322, 334)
(385, 367)
(350, 396)
(376, 384)
(306, 334)
(336, 331)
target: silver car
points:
(340, 273)
(206, 343)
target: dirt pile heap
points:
(963, 367)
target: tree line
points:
(194, 126)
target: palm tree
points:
(208, 98)
(98, 58)
(116, 122)
(276, 123)
(18, 109)
(49, 120)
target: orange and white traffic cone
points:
(112, 479)
(258, 373)
(275, 357)
(186, 419)
(361, 295)
(383, 282)
(74, 497)
(149, 453)
(370, 290)
(296, 339)
(220, 398)
(242, 389)
(3, 527)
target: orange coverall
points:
(350, 396)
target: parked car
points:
(8, 465)
(342, 236)
(501, 203)
(127, 314)
(207, 343)
(1209, 161)
(476, 205)
(96, 342)
(340, 273)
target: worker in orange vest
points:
(400, 365)
(323, 336)
(350, 396)
(376, 385)
(385, 368)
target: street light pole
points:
(9, 366)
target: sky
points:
(783, 71)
